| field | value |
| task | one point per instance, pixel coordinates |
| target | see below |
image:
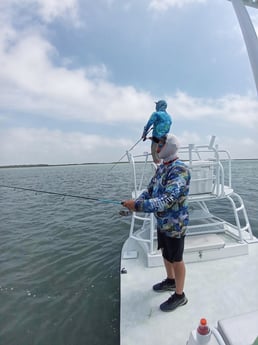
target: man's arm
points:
(175, 188)
(152, 119)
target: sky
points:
(79, 78)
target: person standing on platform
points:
(161, 122)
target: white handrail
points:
(218, 336)
(208, 174)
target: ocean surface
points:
(60, 256)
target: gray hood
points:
(170, 149)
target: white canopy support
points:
(248, 32)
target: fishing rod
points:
(129, 150)
(63, 194)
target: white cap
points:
(170, 149)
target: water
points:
(60, 257)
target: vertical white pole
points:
(249, 35)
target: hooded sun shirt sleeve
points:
(165, 188)
(152, 120)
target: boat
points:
(221, 257)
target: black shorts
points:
(172, 248)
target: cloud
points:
(47, 10)
(30, 82)
(35, 81)
(163, 5)
(44, 146)
(242, 147)
(230, 108)
(50, 9)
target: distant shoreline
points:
(74, 164)
(51, 165)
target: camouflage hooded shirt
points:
(160, 120)
(166, 196)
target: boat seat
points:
(203, 242)
(202, 177)
(240, 330)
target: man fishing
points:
(166, 196)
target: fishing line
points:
(130, 150)
(63, 194)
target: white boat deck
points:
(221, 262)
(215, 290)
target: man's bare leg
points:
(169, 269)
(179, 270)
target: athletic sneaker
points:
(165, 285)
(173, 302)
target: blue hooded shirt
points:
(160, 120)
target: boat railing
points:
(208, 160)
(208, 173)
(211, 180)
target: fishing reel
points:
(125, 213)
